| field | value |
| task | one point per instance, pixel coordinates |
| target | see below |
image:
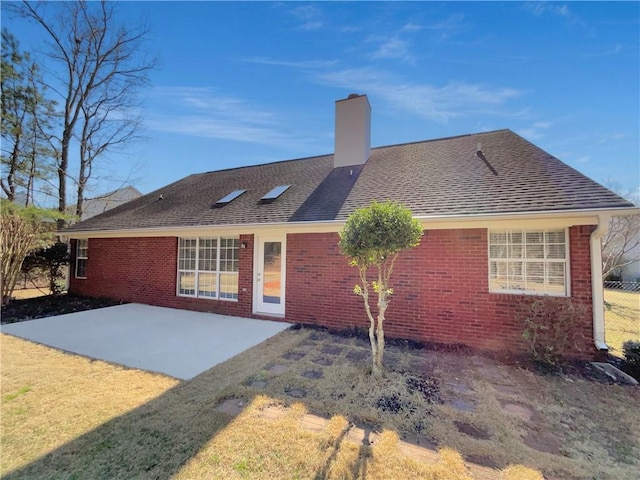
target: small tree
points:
(621, 244)
(22, 230)
(373, 237)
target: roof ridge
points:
(263, 164)
(372, 148)
(113, 191)
(443, 138)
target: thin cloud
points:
(305, 64)
(398, 45)
(411, 27)
(562, 11)
(201, 112)
(452, 22)
(310, 16)
(616, 49)
(394, 48)
(541, 8)
(437, 103)
(535, 131)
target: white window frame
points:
(82, 253)
(197, 271)
(525, 260)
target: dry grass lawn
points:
(23, 293)
(65, 416)
(622, 318)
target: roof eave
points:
(570, 217)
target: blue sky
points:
(246, 83)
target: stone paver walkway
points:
(462, 387)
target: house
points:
(97, 205)
(502, 219)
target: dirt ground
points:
(32, 306)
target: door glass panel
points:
(272, 266)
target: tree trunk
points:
(11, 179)
(63, 166)
(382, 306)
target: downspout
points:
(597, 290)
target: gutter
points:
(597, 288)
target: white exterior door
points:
(269, 281)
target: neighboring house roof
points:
(97, 205)
(442, 177)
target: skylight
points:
(229, 197)
(274, 193)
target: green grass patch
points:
(13, 396)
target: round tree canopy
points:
(379, 231)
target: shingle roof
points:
(437, 177)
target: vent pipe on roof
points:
(353, 131)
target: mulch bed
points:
(48, 306)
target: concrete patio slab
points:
(179, 343)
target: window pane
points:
(207, 254)
(187, 254)
(516, 237)
(81, 268)
(556, 251)
(498, 251)
(207, 284)
(82, 252)
(272, 268)
(535, 251)
(555, 236)
(229, 285)
(536, 285)
(515, 270)
(187, 283)
(556, 269)
(515, 251)
(535, 269)
(499, 275)
(535, 237)
(82, 248)
(526, 266)
(496, 237)
(198, 262)
(229, 254)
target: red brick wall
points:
(143, 270)
(442, 292)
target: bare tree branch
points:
(104, 71)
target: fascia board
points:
(548, 219)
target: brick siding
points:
(442, 289)
(144, 270)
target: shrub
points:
(631, 349)
(49, 261)
(549, 328)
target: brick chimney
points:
(353, 131)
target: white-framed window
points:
(208, 267)
(532, 262)
(82, 255)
